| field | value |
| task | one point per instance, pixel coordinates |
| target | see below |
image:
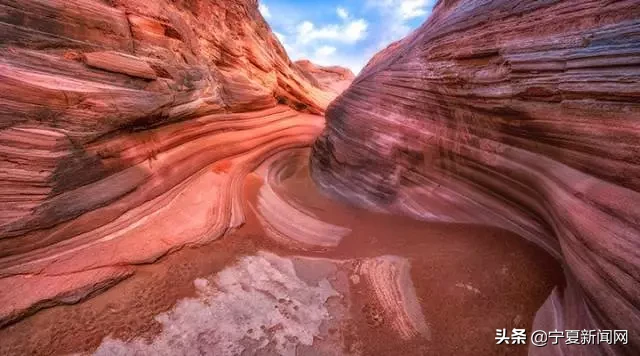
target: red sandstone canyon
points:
(173, 183)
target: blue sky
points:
(342, 32)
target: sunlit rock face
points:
(519, 114)
(126, 129)
(335, 79)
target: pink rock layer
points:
(334, 78)
(285, 220)
(390, 280)
(126, 130)
(519, 114)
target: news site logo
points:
(542, 338)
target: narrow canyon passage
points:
(177, 179)
(383, 284)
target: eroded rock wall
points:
(333, 78)
(519, 114)
(80, 70)
(126, 129)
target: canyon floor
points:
(374, 284)
(169, 180)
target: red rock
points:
(335, 78)
(26, 294)
(522, 115)
(127, 129)
(120, 63)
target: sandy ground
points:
(469, 280)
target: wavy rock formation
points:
(286, 221)
(127, 129)
(407, 287)
(518, 114)
(334, 78)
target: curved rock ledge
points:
(127, 128)
(182, 190)
(286, 221)
(518, 114)
(391, 272)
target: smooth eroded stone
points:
(518, 114)
(120, 63)
(127, 128)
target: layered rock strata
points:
(127, 128)
(334, 78)
(518, 114)
(285, 220)
(409, 286)
(389, 278)
(182, 186)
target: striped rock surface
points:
(519, 114)
(126, 130)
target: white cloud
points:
(413, 8)
(280, 36)
(403, 9)
(264, 10)
(396, 15)
(356, 30)
(349, 39)
(294, 50)
(342, 13)
(355, 63)
(325, 51)
(305, 28)
(324, 55)
(349, 32)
